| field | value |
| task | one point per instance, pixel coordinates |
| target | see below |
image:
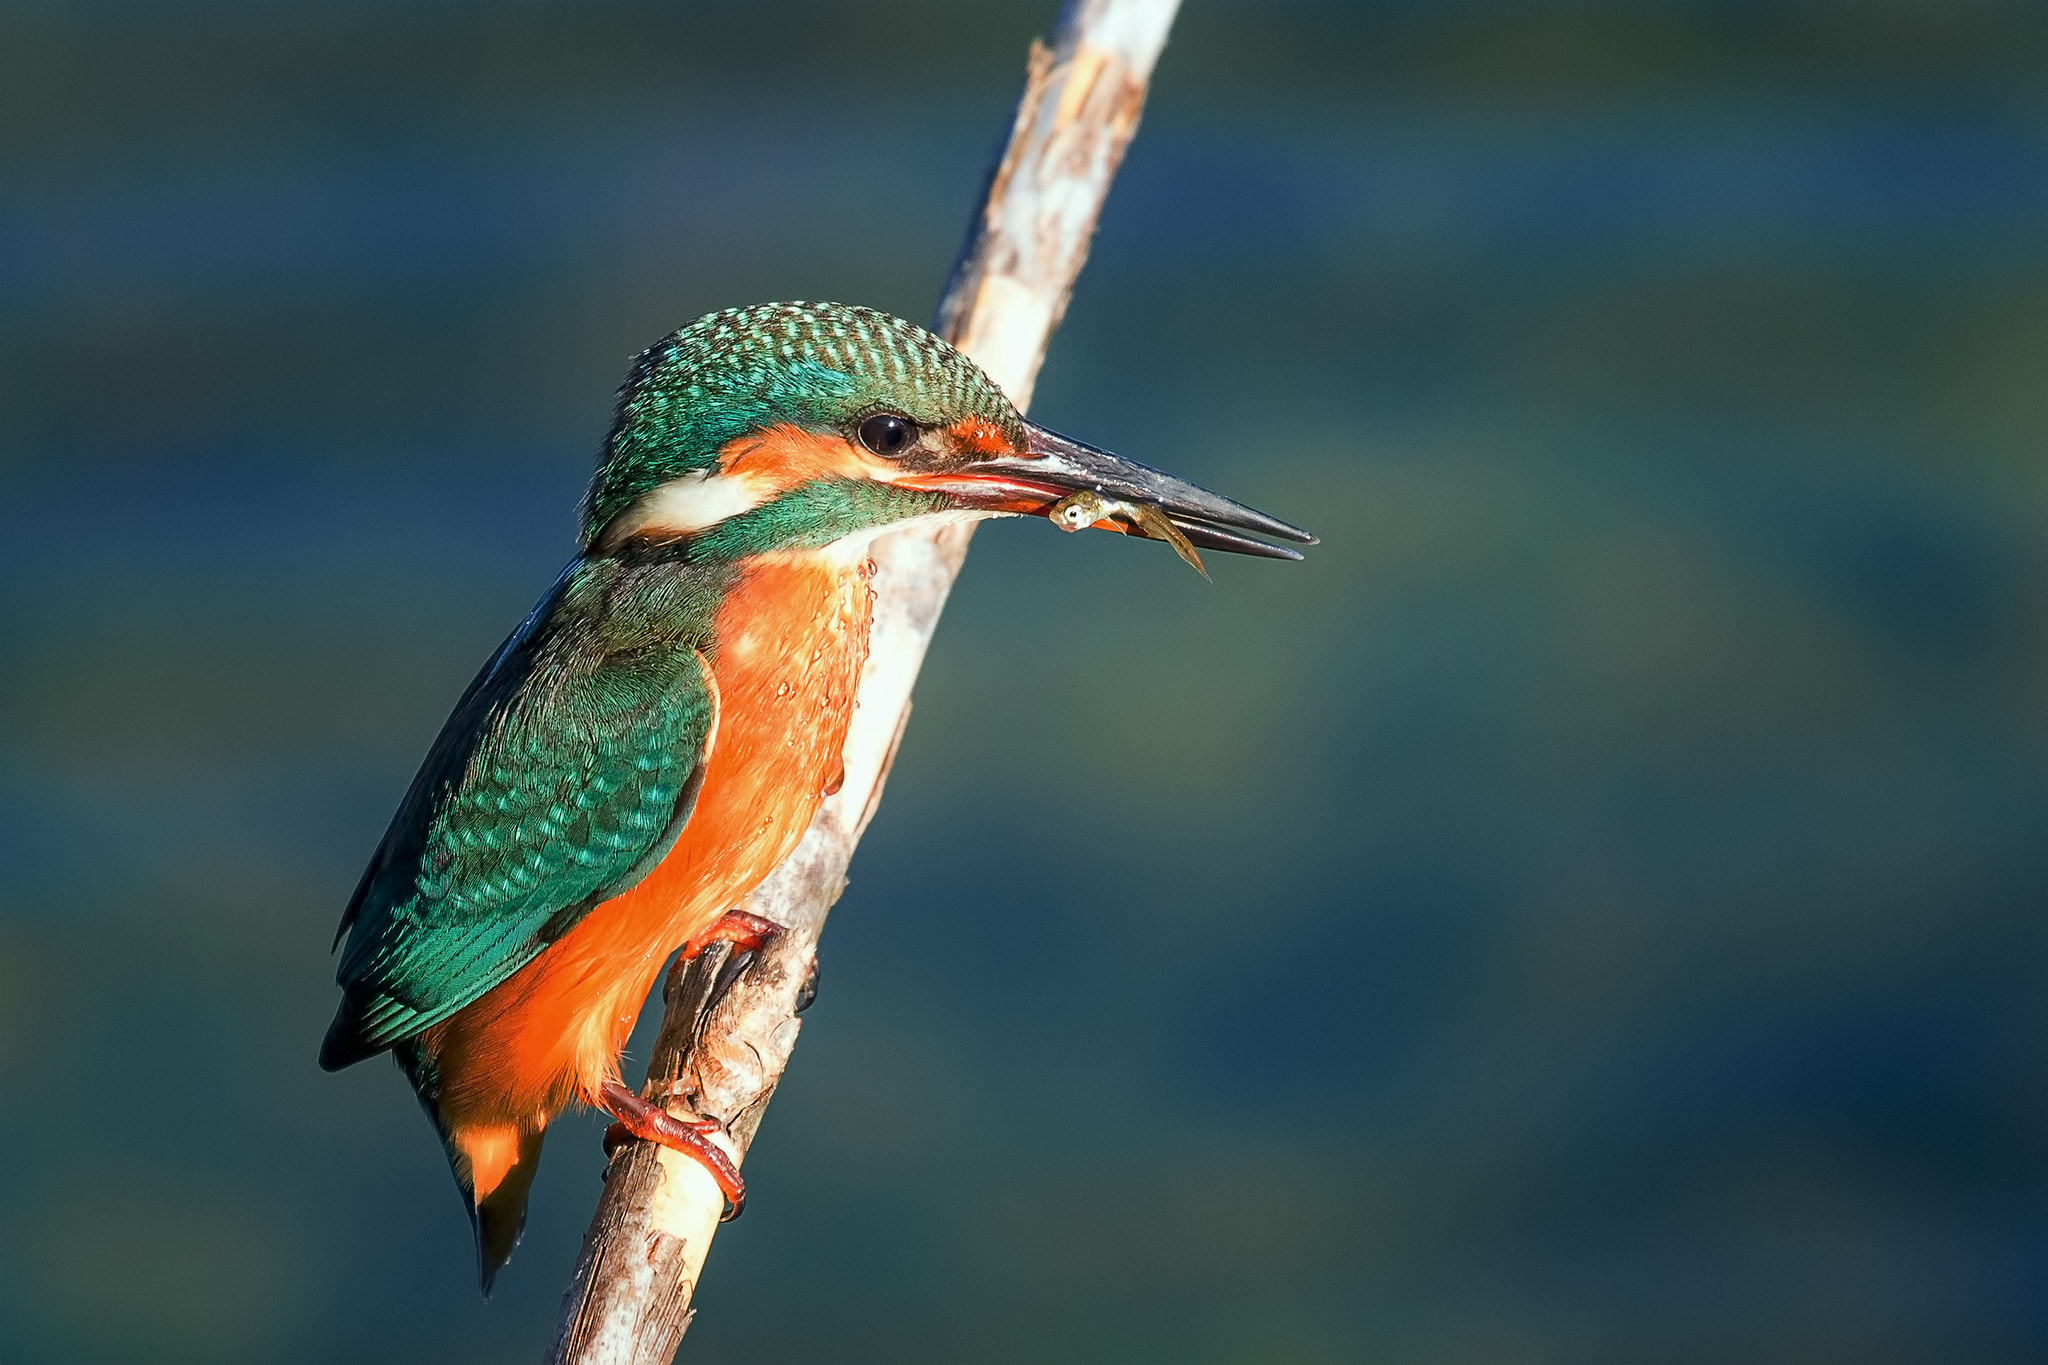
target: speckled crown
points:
(821, 365)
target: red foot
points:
(748, 933)
(651, 1123)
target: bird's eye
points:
(888, 433)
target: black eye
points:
(887, 433)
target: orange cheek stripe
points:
(786, 456)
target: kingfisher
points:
(657, 733)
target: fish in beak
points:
(1077, 485)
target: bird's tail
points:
(494, 1168)
(493, 1165)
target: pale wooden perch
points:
(629, 1301)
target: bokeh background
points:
(1592, 910)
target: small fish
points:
(1079, 511)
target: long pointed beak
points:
(1055, 467)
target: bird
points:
(657, 733)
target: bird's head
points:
(790, 426)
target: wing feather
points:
(562, 778)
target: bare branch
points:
(630, 1298)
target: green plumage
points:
(563, 776)
(813, 516)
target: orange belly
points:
(792, 636)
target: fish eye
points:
(887, 433)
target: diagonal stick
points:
(629, 1301)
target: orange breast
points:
(792, 637)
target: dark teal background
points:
(1591, 911)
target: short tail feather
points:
(493, 1167)
(500, 1214)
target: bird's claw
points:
(637, 1118)
(745, 931)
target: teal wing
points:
(562, 778)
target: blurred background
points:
(1593, 910)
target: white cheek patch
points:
(688, 505)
